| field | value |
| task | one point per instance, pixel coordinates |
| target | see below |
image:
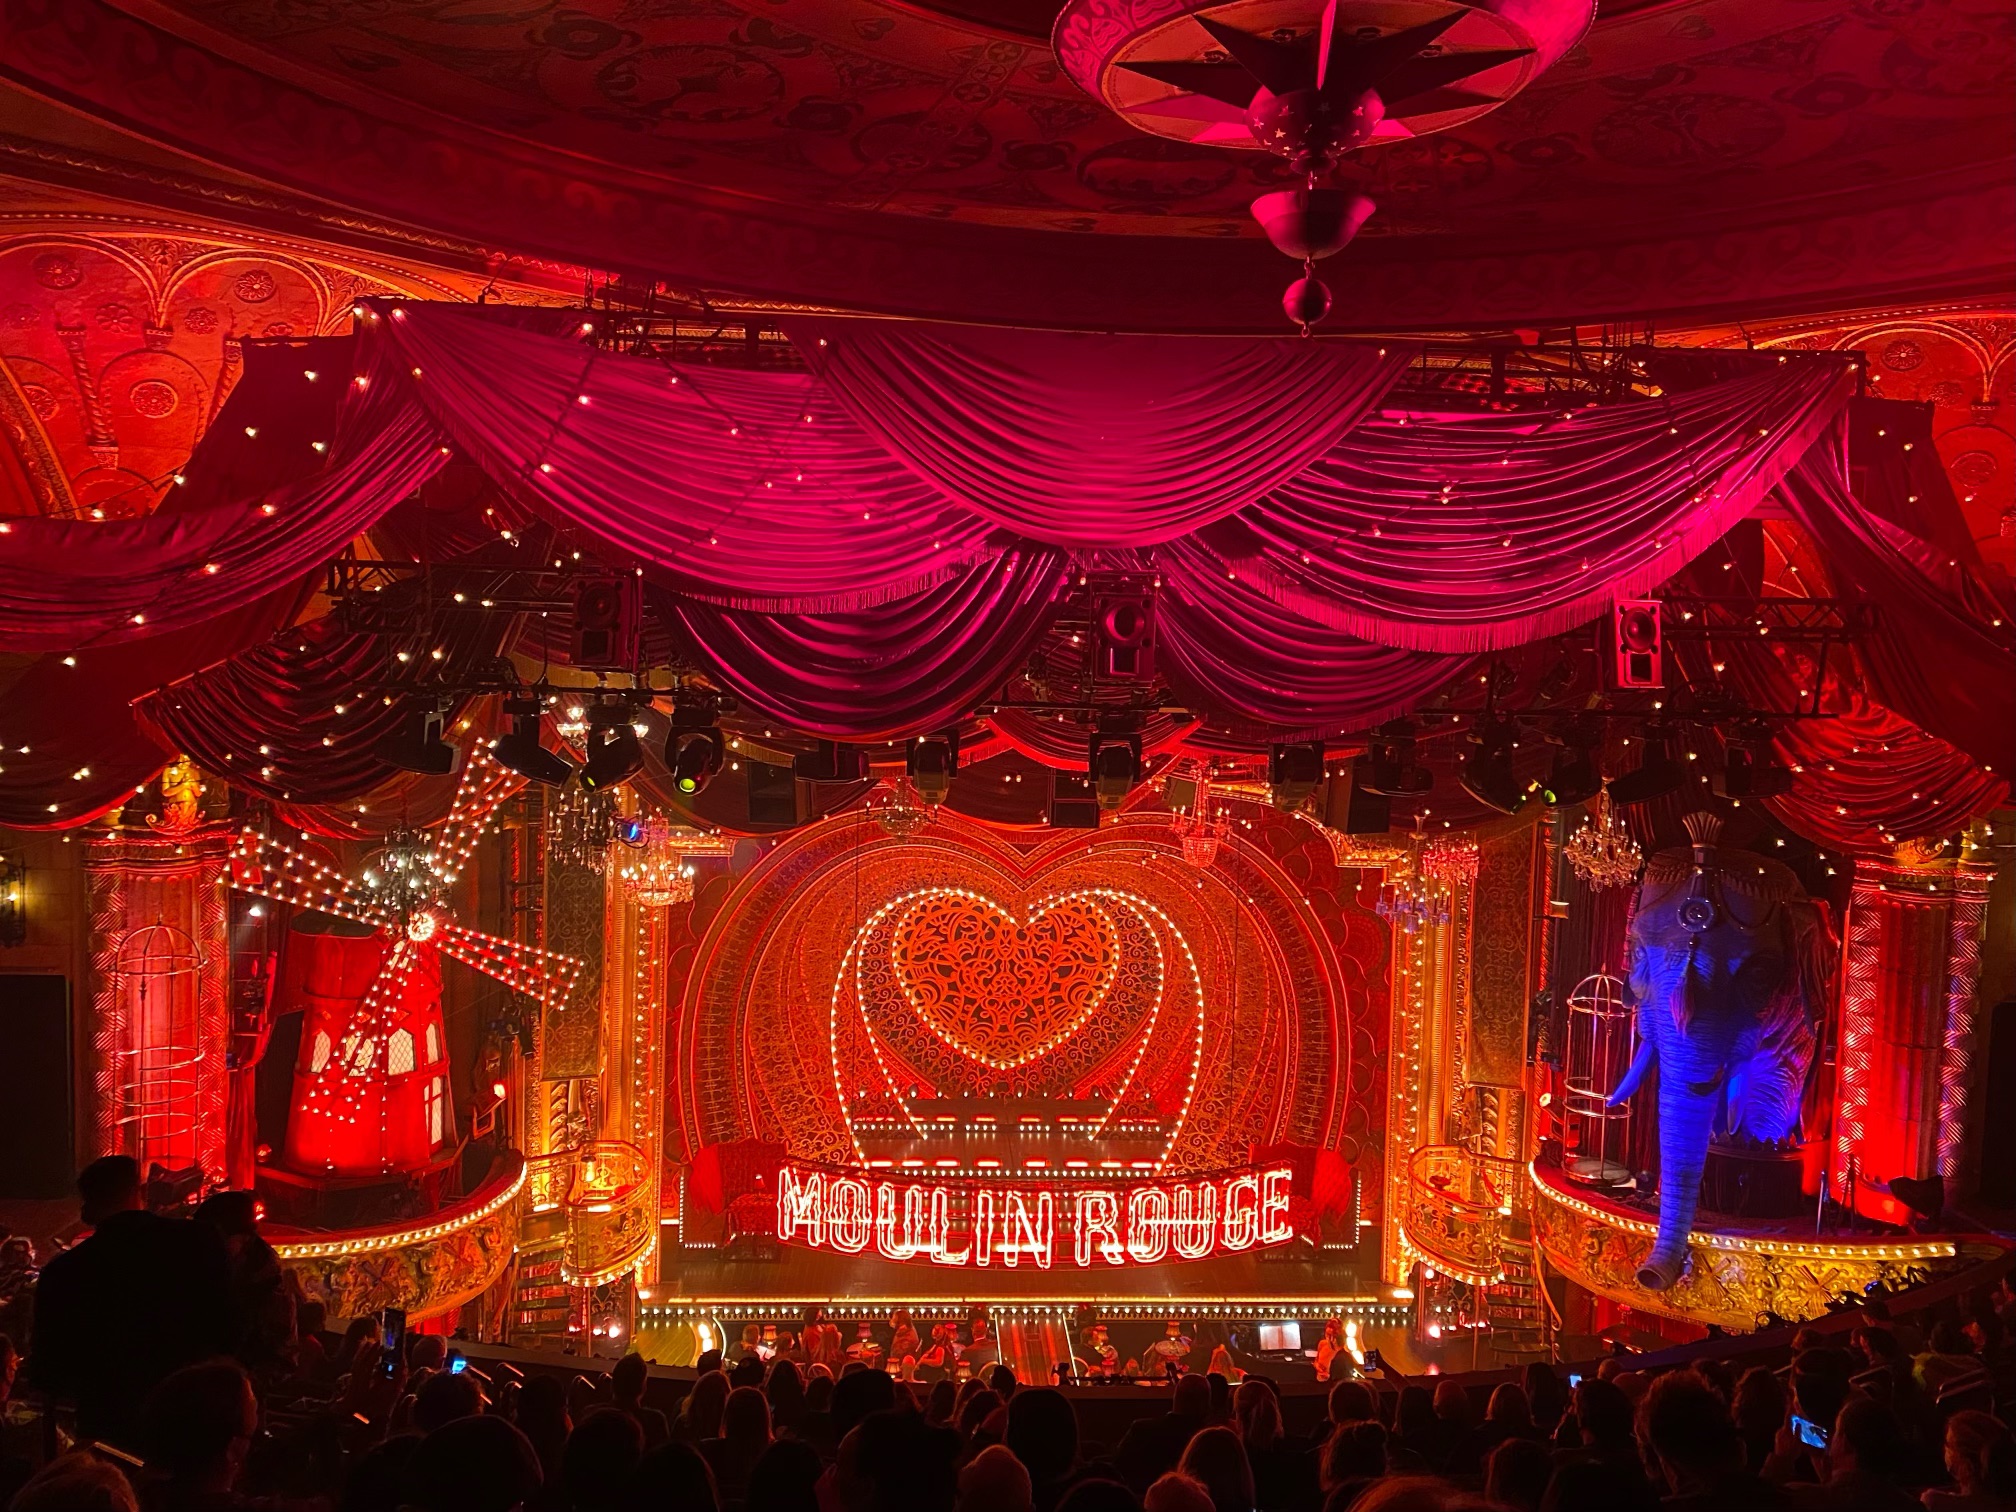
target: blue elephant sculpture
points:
(1730, 963)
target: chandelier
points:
(402, 876)
(1602, 851)
(658, 877)
(659, 872)
(1451, 860)
(1198, 829)
(900, 809)
(582, 826)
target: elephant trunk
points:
(1686, 1113)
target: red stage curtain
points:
(714, 480)
(1484, 532)
(1943, 653)
(1868, 778)
(915, 664)
(1091, 440)
(1223, 644)
(268, 719)
(68, 584)
(85, 753)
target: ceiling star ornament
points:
(1311, 84)
(1602, 851)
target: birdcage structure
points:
(1600, 1045)
(157, 973)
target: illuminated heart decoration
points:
(1000, 991)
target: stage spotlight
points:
(1115, 767)
(1293, 772)
(1656, 774)
(1752, 768)
(1575, 777)
(520, 750)
(1391, 766)
(614, 752)
(1486, 770)
(932, 761)
(695, 750)
(417, 746)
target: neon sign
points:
(1013, 1224)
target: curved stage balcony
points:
(600, 1201)
(1459, 1208)
(1740, 1270)
(425, 1265)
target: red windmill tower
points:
(371, 1088)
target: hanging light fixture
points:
(580, 828)
(900, 809)
(1602, 851)
(1199, 829)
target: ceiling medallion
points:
(1310, 83)
(1602, 851)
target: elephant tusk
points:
(1640, 1064)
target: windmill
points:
(371, 1089)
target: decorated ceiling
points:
(121, 335)
(1693, 156)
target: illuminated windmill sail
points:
(371, 1089)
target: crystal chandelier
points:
(1451, 860)
(1198, 829)
(581, 827)
(658, 876)
(1602, 851)
(658, 871)
(1410, 901)
(402, 874)
(900, 809)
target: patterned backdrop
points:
(840, 975)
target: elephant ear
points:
(1816, 954)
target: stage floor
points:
(1232, 1285)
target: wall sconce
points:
(13, 900)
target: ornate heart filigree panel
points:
(1001, 991)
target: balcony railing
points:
(604, 1197)
(1458, 1208)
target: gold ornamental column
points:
(160, 993)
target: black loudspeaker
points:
(35, 1116)
(775, 796)
(1348, 807)
(1123, 625)
(1637, 644)
(607, 625)
(829, 761)
(1073, 803)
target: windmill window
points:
(399, 1052)
(320, 1059)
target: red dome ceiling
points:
(1685, 159)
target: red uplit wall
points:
(1908, 1027)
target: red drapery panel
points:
(753, 490)
(67, 584)
(1224, 644)
(297, 719)
(915, 664)
(85, 753)
(1093, 440)
(1484, 532)
(1944, 652)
